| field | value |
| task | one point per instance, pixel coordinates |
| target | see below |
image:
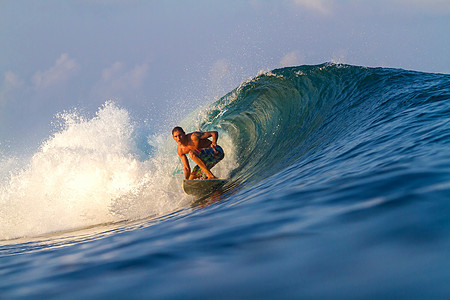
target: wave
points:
(285, 116)
(104, 170)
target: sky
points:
(161, 60)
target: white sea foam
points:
(92, 172)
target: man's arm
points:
(207, 134)
(185, 161)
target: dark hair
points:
(178, 128)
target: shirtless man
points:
(201, 150)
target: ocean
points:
(338, 188)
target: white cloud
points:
(11, 81)
(400, 7)
(59, 73)
(291, 59)
(112, 72)
(116, 80)
(120, 79)
(324, 7)
(136, 76)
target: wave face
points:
(356, 118)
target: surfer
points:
(205, 153)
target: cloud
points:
(121, 80)
(324, 7)
(112, 72)
(291, 59)
(11, 81)
(401, 7)
(64, 68)
(117, 80)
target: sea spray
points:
(84, 175)
(95, 171)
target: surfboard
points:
(199, 188)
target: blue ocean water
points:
(339, 188)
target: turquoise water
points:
(339, 188)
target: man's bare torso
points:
(190, 145)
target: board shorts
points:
(210, 156)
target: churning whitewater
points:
(88, 173)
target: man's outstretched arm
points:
(187, 168)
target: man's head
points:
(178, 134)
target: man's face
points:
(178, 136)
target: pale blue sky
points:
(150, 56)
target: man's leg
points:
(202, 165)
(193, 176)
(196, 173)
